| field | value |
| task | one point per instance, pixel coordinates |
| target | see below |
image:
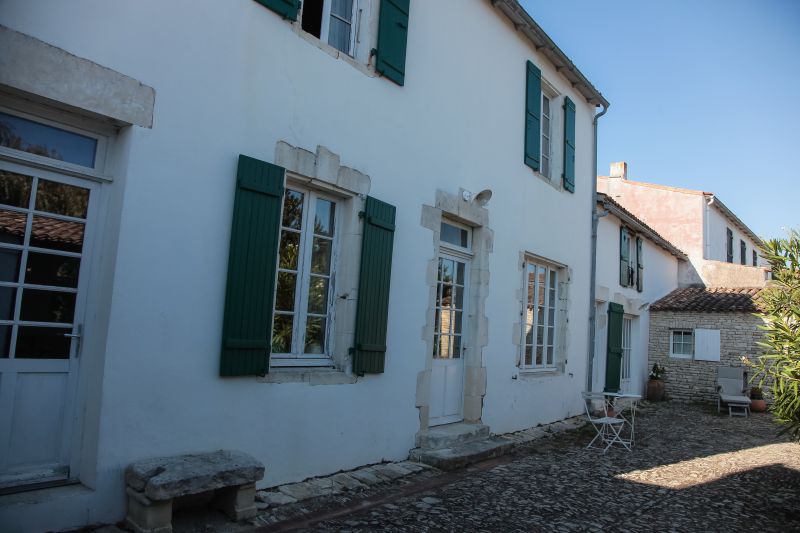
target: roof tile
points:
(710, 300)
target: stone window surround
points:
(322, 171)
(455, 207)
(562, 313)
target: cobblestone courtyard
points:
(691, 470)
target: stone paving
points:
(691, 470)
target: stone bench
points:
(153, 483)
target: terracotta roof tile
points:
(710, 300)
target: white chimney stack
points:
(619, 170)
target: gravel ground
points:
(691, 470)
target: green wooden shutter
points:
(533, 116)
(614, 350)
(569, 144)
(252, 262)
(639, 265)
(390, 59)
(372, 308)
(288, 9)
(624, 257)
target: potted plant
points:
(655, 385)
(757, 402)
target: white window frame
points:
(552, 307)
(297, 357)
(548, 134)
(683, 331)
(324, 31)
(18, 156)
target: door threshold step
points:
(449, 435)
(463, 454)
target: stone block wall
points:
(691, 380)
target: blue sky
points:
(704, 94)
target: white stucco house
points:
(636, 266)
(308, 233)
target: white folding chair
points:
(608, 428)
(732, 391)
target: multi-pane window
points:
(48, 141)
(539, 316)
(302, 312)
(625, 370)
(742, 252)
(755, 258)
(682, 343)
(330, 21)
(42, 229)
(546, 133)
(451, 286)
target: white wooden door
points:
(45, 231)
(625, 368)
(447, 371)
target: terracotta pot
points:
(655, 390)
(758, 406)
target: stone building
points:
(695, 330)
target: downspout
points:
(593, 271)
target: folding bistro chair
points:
(732, 391)
(608, 428)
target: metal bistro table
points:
(623, 405)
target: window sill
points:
(311, 375)
(366, 69)
(684, 357)
(550, 372)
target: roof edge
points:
(523, 22)
(630, 219)
(716, 202)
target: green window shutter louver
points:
(639, 265)
(288, 9)
(569, 144)
(390, 59)
(252, 264)
(614, 348)
(533, 116)
(372, 308)
(624, 258)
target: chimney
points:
(619, 170)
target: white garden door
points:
(625, 368)
(447, 370)
(45, 231)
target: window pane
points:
(545, 105)
(321, 256)
(7, 300)
(457, 347)
(446, 270)
(35, 138)
(323, 218)
(447, 296)
(284, 294)
(42, 343)
(49, 269)
(47, 306)
(460, 273)
(318, 295)
(435, 345)
(5, 340)
(62, 199)
(529, 334)
(315, 335)
(538, 356)
(282, 333)
(549, 355)
(57, 234)
(454, 235)
(528, 355)
(457, 323)
(293, 209)
(339, 35)
(446, 320)
(9, 264)
(12, 226)
(342, 8)
(15, 189)
(290, 250)
(459, 303)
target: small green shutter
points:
(251, 268)
(288, 9)
(639, 265)
(372, 308)
(624, 258)
(390, 57)
(533, 116)
(569, 144)
(614, 351)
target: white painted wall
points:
(660, 278)
(716, 248)
(231, 78)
